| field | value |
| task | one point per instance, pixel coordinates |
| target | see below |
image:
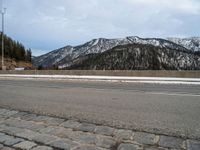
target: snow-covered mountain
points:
(189, 43)
(65, 57)
(53, 57)
(139, 57)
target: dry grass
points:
(12, 64)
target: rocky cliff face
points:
(139, 57)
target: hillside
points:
(11, 64)
(15, 54)
(66, 56)
(192, 43)
(139, 57)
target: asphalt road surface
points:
(156, 108)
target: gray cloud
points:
(48, 24)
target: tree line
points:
(15, 50)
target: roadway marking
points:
(173, 94)
(152, 93)
(155, 80)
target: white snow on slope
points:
(65, 56)
(189, 43)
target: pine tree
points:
(29, 55)
(15, 50)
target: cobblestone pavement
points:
(23, 130)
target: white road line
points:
(173, 94)
(158, 93)
(156, 80)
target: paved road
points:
(167, 109)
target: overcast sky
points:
(45, 25)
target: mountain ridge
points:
(139, 57)
(65, 57)
(192, 43)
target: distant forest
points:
(15, 50)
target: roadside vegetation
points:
(15, 50)
(15, 53)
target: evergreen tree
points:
(29, 55)
(15, 50)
